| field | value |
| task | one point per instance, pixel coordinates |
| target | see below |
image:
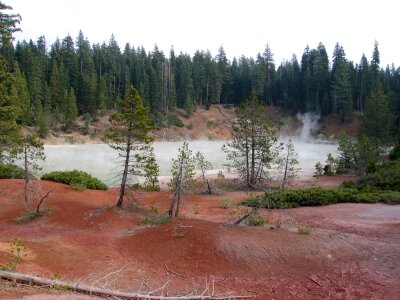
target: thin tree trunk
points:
(42, 199)
(286, 168)
(178, 203)
(125, 173)
(26, 175)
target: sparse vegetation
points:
(303, 230)
(17, 250)
(79, 180)
(255, 219)
(32, 215)
(226, 203)
(155, 218)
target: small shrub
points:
(318, 196)
(319, 169)
(32, 215)
(255, 219)
(150, 188)
(155, 218)
(226, 203)
(304, 230)
(11, 171)
(189, 126)
(132, 205)
(79, 180)
(18, 249)
(196, 210)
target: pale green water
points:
(100, 159)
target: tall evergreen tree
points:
(378, 118)
(254, 144)
(128, 135)
(341, 95)
(269, 66)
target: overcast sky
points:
(242, 27)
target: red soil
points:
(352, 252)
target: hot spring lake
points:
(101, 161)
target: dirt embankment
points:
(352, 252)
(203, 124)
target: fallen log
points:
(80, 288)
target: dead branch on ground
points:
(74, 286)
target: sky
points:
(241, 27)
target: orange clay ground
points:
(352, 252)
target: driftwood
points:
(80, 288)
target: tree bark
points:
(125, 173)
(26, 169)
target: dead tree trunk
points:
(107, 293)
(42, 199)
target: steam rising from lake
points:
(101, 161)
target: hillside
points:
(212, 124)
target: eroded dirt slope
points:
(352, 252)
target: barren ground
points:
(352, 252)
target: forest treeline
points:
(56, 83)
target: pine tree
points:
(203, 165)
(10, 132)
(8, 24)
(30, 151)
(377, 121)
(288, 164)
(71, 111)
(254, 144)
(269, 75)
(342, 102)
(128, 135)
(22, 95)
(151, 171)
(183, 171)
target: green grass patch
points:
(32, 215)
(304, 230)
(79, 180)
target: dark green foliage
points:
(254, 144)
(318, 196)
(8, 171)
(395, 153)
(378, 119)
(174, 120)
(129, 136)
(387, 177)
(78, 179)
(8, 24)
